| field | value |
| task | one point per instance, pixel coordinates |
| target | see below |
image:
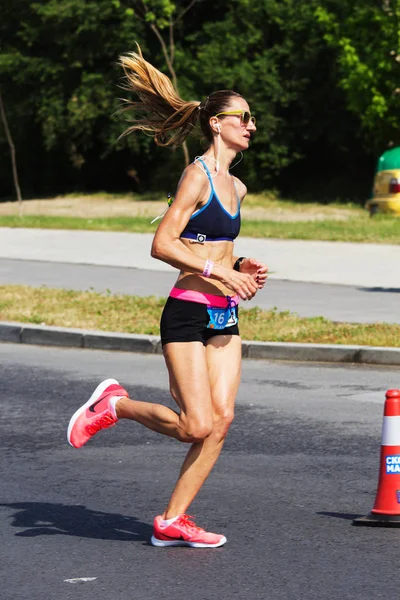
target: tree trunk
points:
(169, 59)
(12, 152)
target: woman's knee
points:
(196, 429)
(222, 423)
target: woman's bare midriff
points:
(220, 253)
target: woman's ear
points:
(215, 126)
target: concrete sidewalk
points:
(369, 265)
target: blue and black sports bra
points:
(212, 222)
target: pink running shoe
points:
(97, 413)
(184, 532)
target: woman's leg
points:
(189, 386)
(203, 382)
(223, 363)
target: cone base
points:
(376, 520)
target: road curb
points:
(42, 335)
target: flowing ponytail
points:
(165, 115)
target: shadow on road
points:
(347, 516)
(381, 289)
(42, 518)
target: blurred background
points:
(321, 77)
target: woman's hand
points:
(258, 270)
(243, 284)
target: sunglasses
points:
(245, 116)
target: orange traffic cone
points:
(386, 511)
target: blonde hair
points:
(165, 115)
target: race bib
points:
(221, 317)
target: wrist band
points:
(208, 267)
(238, 262)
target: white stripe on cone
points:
(391, 431)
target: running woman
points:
(199, 323)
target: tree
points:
(59, 74)
(59, 62)
(161, 15)
(366, 37)
(274, 62)
(12, 153)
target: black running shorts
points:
(184, 321)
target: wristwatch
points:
(238, 262)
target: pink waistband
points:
(201, 298)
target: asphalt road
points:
(301, 460)
(336, 302)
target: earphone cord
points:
(236, 163)
(196, 158)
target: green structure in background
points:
(390, 160)
(386, 190)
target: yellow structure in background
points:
(386, 191)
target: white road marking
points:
(80, 579)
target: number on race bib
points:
(221, 318)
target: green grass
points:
(381, 229)
(132, 314)
(272, 199)
(129, 224)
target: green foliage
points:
(62, 56)
(158, 12)
(366, 37)
(271, 52)
(316, 74)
